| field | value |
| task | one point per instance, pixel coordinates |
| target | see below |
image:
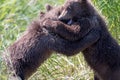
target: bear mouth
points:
(69, 21)
(65, 21)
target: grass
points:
(15, 15)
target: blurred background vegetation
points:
(15, 15)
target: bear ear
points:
(41, 14)
(48, 7)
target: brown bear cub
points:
(100, 50)
(36, 45)
(32, 49)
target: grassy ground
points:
(15, 15)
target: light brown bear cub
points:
(32, 49)
(100, 50)
(36, 45)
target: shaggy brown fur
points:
(100, 50)
(31, 50)
(35, 46)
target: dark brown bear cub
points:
(100, 50)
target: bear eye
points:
(59, 13)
